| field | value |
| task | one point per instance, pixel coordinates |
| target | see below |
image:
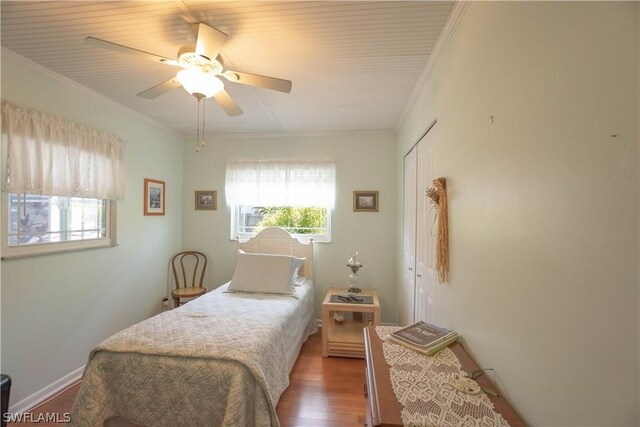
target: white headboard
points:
(274, 240)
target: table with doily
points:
(405, 387)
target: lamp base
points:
(354, 290)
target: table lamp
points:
(354, 279)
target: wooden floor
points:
(322, 392)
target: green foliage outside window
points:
(295, 220)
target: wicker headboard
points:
(274, 240)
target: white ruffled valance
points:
(50, 155)
(303, 184)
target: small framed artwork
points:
(153, 197)
(206, 200)
(365, 201)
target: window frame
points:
(235, 234)
(23, 251)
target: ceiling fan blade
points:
(158, 90)
(227, 103)
(128, 50)
(272, 83)
(209, 41)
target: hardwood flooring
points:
(322, 392)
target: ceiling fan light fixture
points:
(197, 82)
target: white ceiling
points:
(353, 65)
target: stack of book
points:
(424, 337)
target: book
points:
(424, 337)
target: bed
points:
(222, 359)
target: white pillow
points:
(265, 273)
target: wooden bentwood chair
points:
(187, 267)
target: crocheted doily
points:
(427, 387)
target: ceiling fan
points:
(201, 66)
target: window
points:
(62, 180)
(40, 224)
(297, 196)
(301, 222)
(35, 219)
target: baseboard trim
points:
(47, 392)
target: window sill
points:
(34, 253)
(300, 239)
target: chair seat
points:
(188, 292)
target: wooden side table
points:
(346, 338)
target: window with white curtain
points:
(61, 181)
(297, 196)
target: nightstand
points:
(345, 337)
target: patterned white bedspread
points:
(220, 360)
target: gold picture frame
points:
(154, 197)
(206, 200)
(366, 201)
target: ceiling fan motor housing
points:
(188, 59)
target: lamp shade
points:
(196, 81)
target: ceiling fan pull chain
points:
(204, 104)
(198, 129)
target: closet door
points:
(426, 275)
(407, 300)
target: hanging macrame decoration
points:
(438, 196)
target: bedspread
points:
(218, 360)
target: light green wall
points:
(56, 308)
(543, 202)
(364, 161)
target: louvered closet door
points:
(425, 231)
(407, 303)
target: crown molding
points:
(295, 134)
(441, 44)
(6, 53)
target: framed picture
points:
(206, 200)
(153, 197)
(365, 201)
